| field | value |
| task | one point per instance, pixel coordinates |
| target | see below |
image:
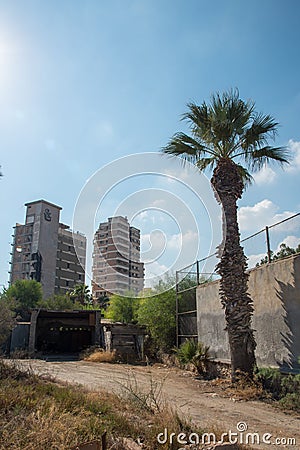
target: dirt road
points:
(198, 400)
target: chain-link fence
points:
(270, 243)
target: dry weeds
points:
(37, 414)
(102, 356)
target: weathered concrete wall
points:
(275, 290)
(19, 337)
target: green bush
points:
(271, 379)
(291, 401)
(284, 388)
(157, 313)
(195, 353)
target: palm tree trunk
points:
(228, 187)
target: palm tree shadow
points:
(289, 297)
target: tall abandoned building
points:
(116, 259)
(47, 251)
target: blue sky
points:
(83, 83)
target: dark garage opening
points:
(64, 332)
(64, 339)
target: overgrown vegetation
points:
(195, 353)
(22, 296)
(283, 388)
(269, 384)
(155, 310)
(7, 321)
(284, 251)
(157, 313)
(123, 308)
(38, 414)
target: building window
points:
(67, 283)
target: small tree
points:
(284, 251)
(81, 294)
(7, 321)
(23, 295)
(58, 303)
(122, 309)
(158, 314)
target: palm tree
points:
(81, 293)
(229, 137)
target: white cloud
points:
(177, 174)
(143, 215)
(254, 259)
(153, 245)
(264, 213)
(153, 272)
(265, 176)
(294, 147)
(159, 203)
(290, 241)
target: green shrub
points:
(284, 388)
(291, 401)
(195, 353)
(270, 379)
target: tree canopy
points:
(23, 295)
(122, 309)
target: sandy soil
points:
(203, 402)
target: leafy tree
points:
(122, 309)
(229, 137)
(158, 314)
(284, 251)
(23, 295)
(59, 303)
(81, 294)
(7, 321)
(103, 302)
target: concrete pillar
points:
(32, 331)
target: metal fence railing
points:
(260, 247)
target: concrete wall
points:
(275, 290)
(19, 337)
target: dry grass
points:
(102, 356)
(37, 414)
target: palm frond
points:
(186, 147)
(245, 175)
(204, 163)
(227, 127)
(199, 121)
(262, 128)
(260, 157)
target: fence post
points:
(268, 245)
(177, 310)
(198, 274)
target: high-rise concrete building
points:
(47, 251)
(116, 259)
